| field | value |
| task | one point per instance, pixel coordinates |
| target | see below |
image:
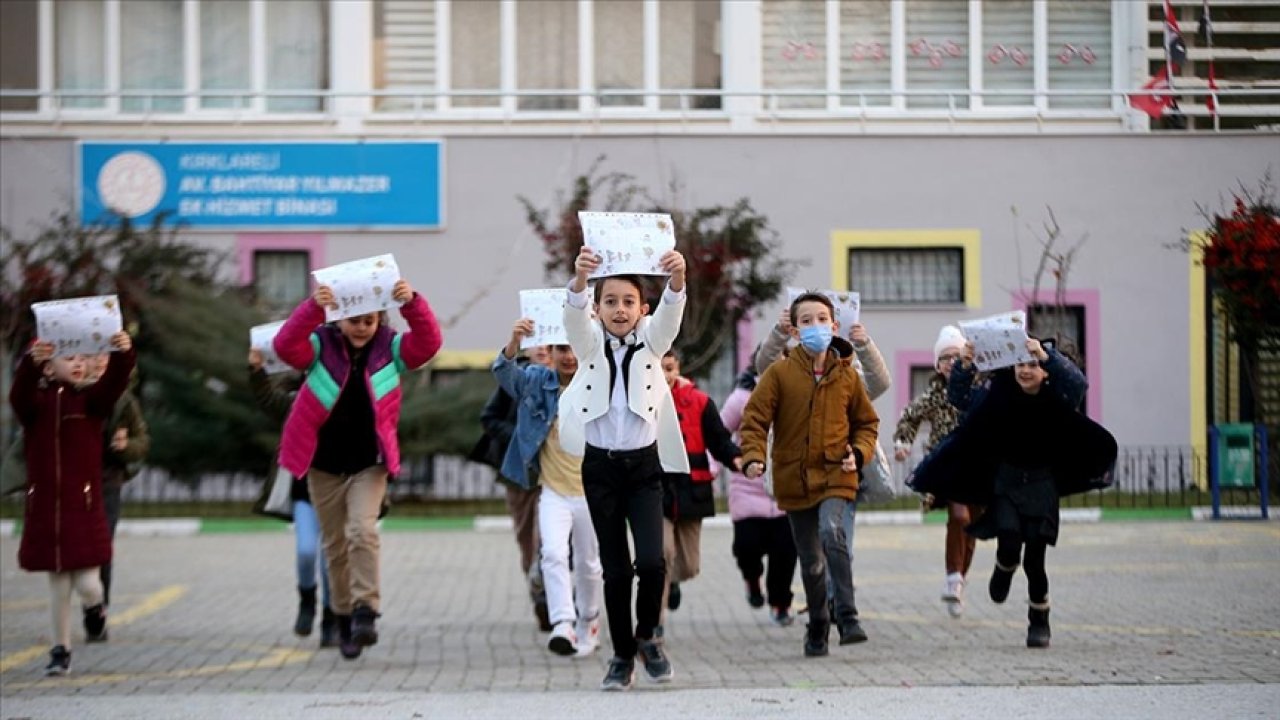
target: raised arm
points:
(1065, 379)
(22, 394)
(293, 342)
(774, 343)
(423, 340)
(874, 369)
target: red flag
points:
(1153, 105)
(1211, 101)
(1175, 47)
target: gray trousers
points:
(821, 544)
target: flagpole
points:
(1212, 82)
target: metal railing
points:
(768, 106)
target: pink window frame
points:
(1091, 301)
(247, 244)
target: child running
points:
(64, 527)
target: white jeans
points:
(559, 519)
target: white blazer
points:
(588, 394)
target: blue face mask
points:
(815, 338)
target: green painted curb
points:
(428, 523)
(222, 526)
(1131, 514)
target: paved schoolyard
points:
(202, 628)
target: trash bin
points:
(1235, 455)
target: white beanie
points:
(949, 338)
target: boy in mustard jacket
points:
(824, 428)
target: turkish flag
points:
(1153, 105)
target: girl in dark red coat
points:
(64, 527)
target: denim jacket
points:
(536, 390)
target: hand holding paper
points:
(360, 287)
(76, 326)
(544, 311)
(260, 342)
(628, 243)
(847, 304)
(999, 341)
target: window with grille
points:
(281, 278)
(920, 377)
(908, 276)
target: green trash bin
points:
(1235, 455)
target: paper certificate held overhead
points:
(847, 304)
(628, 243)
(360, 287)
(999, 341)
(79, 325)
(546, 309)
(260, 339)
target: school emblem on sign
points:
(131, 183)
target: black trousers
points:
(1009, 546)
(621, 488)
(755, 538)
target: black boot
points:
(815, 639)
(1038, 630)
(349, 648)
(328, 628)
(306, 612)
(1001, 579)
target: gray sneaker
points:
(656, 664)
(620, 676)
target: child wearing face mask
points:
(64, 528)
(341, 435)
(618, 415)
(815, 478)
(1022, 446)
(934, 407)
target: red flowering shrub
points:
(1241, 255)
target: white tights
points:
(87, 585)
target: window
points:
(404, 49)
(937, 52)
(81, 54)
(281, 278)
(1080, 52)
(920, 377)
(908, 276)
(226, 58)
(475, 48)
(866, 50)
(1066, 325)
(795, 40)
(18, 57)
(547, 53)
(151, 54)
(619, 50)
(689, 55)
(1008, 50)
(297, 53)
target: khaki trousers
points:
(347, 507)
(682, 549)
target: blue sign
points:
(274, 185)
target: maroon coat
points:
(64, 526)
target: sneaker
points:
(781, 616)
(755, 598)
(543, 615)
(815, 639)
(95, 624)
(59, 662)
(588, 632)
(851, 632)
(673, 597)
(349, 648)
(364, 631)
(953, 594)
(1001, 579)
(328, 629)
(621, 675)
(656, 664)
(563, 640)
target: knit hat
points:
(949, 338)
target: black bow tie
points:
(617, 342)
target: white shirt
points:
(620, 428)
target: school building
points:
(910, 150)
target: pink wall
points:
(249, 243)
(1091, 300)
(903, 361)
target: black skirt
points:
(1024, 504)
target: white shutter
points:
(865, 58)
(1079, 52)
(1008, 51)
(937, 51)
(794, 36)
(408, 49)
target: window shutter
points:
(1008, 49)
(937, 51)
(406, 48)
(1079, 55)
(865, 57)
(794, 36)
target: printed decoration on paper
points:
(545, 308)
(360, 287)
(628, 243)
(848, 305)
(999, 341)
(261, 338)
(936, 54)
(79, 325)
